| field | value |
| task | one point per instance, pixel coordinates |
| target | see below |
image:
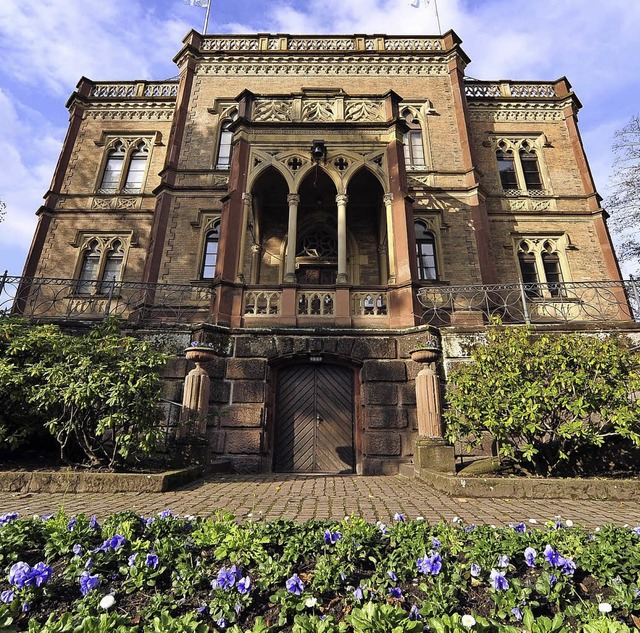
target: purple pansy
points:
(294, 585)
(530, 556)
(88, 582)
(498, 580)
(431, 564)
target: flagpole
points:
(435, 4)
(206, 17)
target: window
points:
(425, 253)
(541, 262)
(210, 256)
(223, 159)
(101, 265)
(519, 166)
(413, 143)
(125, 167)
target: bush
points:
(548, 399)
(97, 393)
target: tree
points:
(624, 203)
(3, 209)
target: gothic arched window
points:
(210, 253)
(426, 253)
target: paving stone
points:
(279, 495)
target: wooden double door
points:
(314, 430)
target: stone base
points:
(436, 455)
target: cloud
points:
(54, 43)
(29, 147)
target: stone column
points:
(197, 387)
(292, 239)
(246, 210)
(255, 263)
(388, 201)
(428, 396)
(342, 200)
(431, 453)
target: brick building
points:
(326, 191)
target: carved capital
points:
(342, 199)
(293, 199)
(247, 198)
(387, 198)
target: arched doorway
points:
(314, 422)
(317, 239)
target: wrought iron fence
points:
(48, 299)
(562, 302)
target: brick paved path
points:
(318, 496)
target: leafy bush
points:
(548, 399)
(96, 393)
(169, 574)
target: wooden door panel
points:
(314, 419)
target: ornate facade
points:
(323, 190)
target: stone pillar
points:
(197, 387)
(292, 239)
(432, 452)
(428, 396)
(388, 201)
(255, 263)
(341, 201)
(246, 210)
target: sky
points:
(47, 45)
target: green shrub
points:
(548, 399)
(96, 393)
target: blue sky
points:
(47, 45)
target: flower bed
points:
(170, 574)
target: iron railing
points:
(562, 302)
(48, 299)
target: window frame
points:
(226, 119)
(213, 227)
(532, 251)
(103, 246)
(131, 146)
(431, 224)
(412, 138)
(510, 148)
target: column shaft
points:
(292, 238)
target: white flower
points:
(597, 529)
(569, 523)
(533, 521)
(604, 607)
(107, 602)
(468, 621)
(311, 602)
(419, 518)
(456, 520)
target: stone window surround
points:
(515, 142)
(105, 241)
(537, 243)
(130, 141)
(433, 223)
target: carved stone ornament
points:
(363, 110)
(318, 111)
(272, 110)
(220, 180)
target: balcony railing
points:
(587, 301)
(46, 299)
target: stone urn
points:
(199, 354)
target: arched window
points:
(540, 266)
(530, 169)
(113, 169)
(112, 267)
(125, 168)
(223, 160)
(137, 167)
(507, 169)
(413, 143)
(89, 269)
(425, 253)
(210, 256)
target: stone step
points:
(407, 470)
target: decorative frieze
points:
(483, 89)
(135, 89)
(129, 112)
(264, 66)
(512, 112)
(116, 202)
(323, 110)
(272, 110)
